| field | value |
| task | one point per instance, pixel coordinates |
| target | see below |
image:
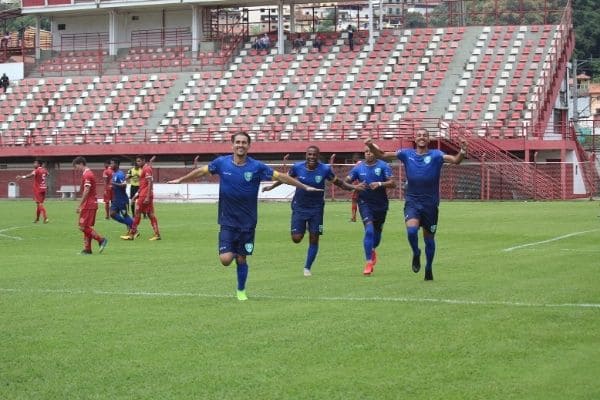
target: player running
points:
(120, 201)
(240, 177)
(423, 169)
(376, 176)
(308, 207)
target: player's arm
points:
(458, 157)
(84, 196)
(29, 175)
(343, 184)
(150, 189)
(272, 186)
(283, 178)
(378, 153)
(387, 184)
(197, 173)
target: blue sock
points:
(368, 240)
(118, 217)
(413, 239)
(429, 252)
(128, 221)
(313, 249)
(376, 239)
(242, 275)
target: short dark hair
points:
(116, 162)
(312, 146)
(79, 161)
(243, 134)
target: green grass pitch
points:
(513, 313)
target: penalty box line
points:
(568, 235)
(307, 298)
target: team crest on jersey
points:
(427, 159)
(378, 171)
(433, 228)
(249, 247)
(248, 176)
(318, 178)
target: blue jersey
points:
(315, 178)
(238, 190)
(119, 194)
(380, 171)
(423, 175)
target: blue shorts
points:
(426, 214)
(311, 218)
(236, 241)
(376, 217)
(119, 207)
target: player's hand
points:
(375, 185)
(267, 188)
(360, 187)
(463, 144)
(146, 201)
(78, 210)
(368, 141)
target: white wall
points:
(14, 71)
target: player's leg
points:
(429, 222)
(377, 232)
(354, 209)
(315, 229)
(153, 221)
(367, 217)
(42, 198)
(413, 222)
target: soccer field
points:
(513, 313)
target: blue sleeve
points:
(293, 171)
(401, 155)
(388, 171)
(214, 166)
(330, 174)
(265, 172)
(353, 174)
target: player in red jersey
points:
(40, 185)
(107, 178)
(144, 203)
(354, 196)
(88, 207)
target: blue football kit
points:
(238, 201)
(308, 207)
(423, 172)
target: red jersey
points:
(39, 179)
(145, 178)
(107, 177)
(88, 179)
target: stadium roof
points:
(91, 5)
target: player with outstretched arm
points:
(240, 177)
(423, 168)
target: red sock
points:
(92, 234)
(43, 210)
(136, 222)
(154, 223)
(37, 212)
(87, 242)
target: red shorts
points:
(40, 196)
(144, 208)
(87, 217)
(107, 197)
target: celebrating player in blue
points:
(240, 177)
(423, 169)
(120, 200)
(375, 176)
(308, 207)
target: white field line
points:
(549, 240)
(9, 236)
(303, 298)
